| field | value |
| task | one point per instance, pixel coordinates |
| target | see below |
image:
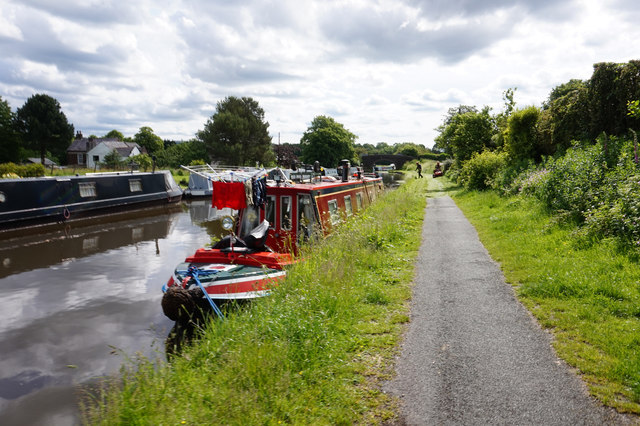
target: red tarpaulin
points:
(228, 194)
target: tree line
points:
(577, 111)
(578, 154)
(236, 134)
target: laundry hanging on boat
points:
(248, 191)
(260, 191)
(229, 194)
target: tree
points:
(566, 115)
(383, 148)
(183, 154)
(143, 161)
(237, 133)
(521, 137)
(465, 132)
(611, 86)
(287, 153)
(149, 140)
(447, 128)
(114, 134)
(113, 160)
(9, 139)
(327, 141)
(411, 149)
(497, 140)
(44, 127)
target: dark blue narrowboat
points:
(30, 201)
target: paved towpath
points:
(472, 353)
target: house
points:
(86, 152)
(102, 149)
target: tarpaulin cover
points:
(228, 194)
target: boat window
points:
(270, 211)
(333, 212)
(306, 217)
(285, 212)
(359, 200)
(250, 219)
(135, 185)
(348, 207)
(87, 189)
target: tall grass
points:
(314, 352)
(586, 293)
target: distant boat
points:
(44, 200)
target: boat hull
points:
(232, 275)
(32, 201)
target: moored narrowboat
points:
(276, 212)
(35, 201)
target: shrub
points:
(531, 181)
(481, 170)
(11, 170)
(573, 181)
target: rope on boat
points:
(193, 272)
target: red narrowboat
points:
(277, 210)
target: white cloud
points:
(387, 69)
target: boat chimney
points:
(346, 165)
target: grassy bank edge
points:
(315, 352)
(584, 292)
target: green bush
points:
(481, 170)
(597, 185)
(574, 180)
(28, 170)
(531, 181)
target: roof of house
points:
(123, 148)
(84, 144)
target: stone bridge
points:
(368, 161)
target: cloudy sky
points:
(387, 69)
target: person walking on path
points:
(472, 353)
(419, 169)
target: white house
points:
(102, 149)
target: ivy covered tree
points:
(44, 127)
(328, 142)
(566, 115)
(237, 133)
(522, 138)
(611, 86)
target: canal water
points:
(75, 301)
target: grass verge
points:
(314, 352)
(587, 293)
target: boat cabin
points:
(308, 206)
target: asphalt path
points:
(472, 353)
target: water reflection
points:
(72, 295)
(392, 179)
